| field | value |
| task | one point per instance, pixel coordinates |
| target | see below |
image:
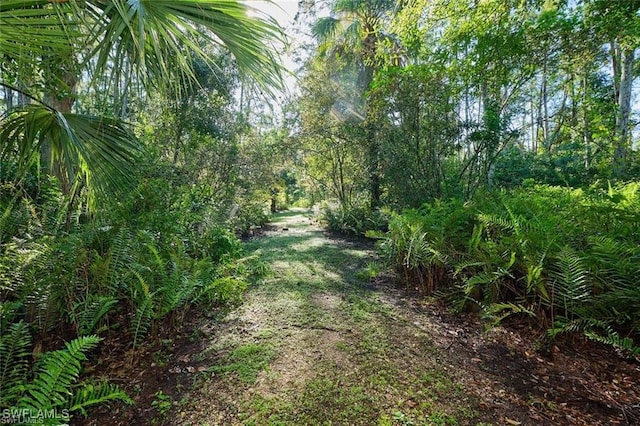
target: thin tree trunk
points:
(8, 98)
(624, 111)
(586, 128)
(615, 68)
(545, 105)
(534, 142)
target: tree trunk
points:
(64, 105)
(372, 141)
(544, 99)
(624, 111)
(8, 98)
(586, 128)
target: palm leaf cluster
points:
(50, 47)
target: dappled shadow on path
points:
(299, 250)
(340, 354)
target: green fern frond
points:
(482, 278)
(570, 280)
(562, 325)
(463, 265)
(142, 318)
(56, 373)
(614, 263)
(476, 237)
(501, 222)
(156, 256)
(607, 248)
(120, 257)
(96, 393)
(596, 330)
(535, 279)
(89, 312)
(167, 298)
(497, 312)
(14, 362)
(610, 337)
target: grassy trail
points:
(318, 341)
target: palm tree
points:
(354, 33)
(153, 42)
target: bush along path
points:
(324, 338)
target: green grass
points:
(246, 361)
(357, 366)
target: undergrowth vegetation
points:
(353, 218)
(127, 273)
(567, 258)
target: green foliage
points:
(15, 353)
(52, 382)
(55, 372)
(87, 277)
(459, 100)
(73, 264)
(223, 290)
(88, 312)
(567, 257)
(112, 47)
(421, 243)
(162, 403)
(101, 150)
(414, 151)
(102, 271)
(246, 361)
(599, 331)
(369, 272)
(356, 218)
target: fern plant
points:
(89, 311)
(415, 252)
(570, 284)
(14, 362)
(142, 298)
(53, 382)
(597, 330)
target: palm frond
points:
(154, 36)
(371, 7)
(325, 28)
(498, 312)
(353, 33)
(33, 27)
(100, 149)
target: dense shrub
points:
(568, 257)
(355, 218)
(138, 265)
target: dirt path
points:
(321, 339)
